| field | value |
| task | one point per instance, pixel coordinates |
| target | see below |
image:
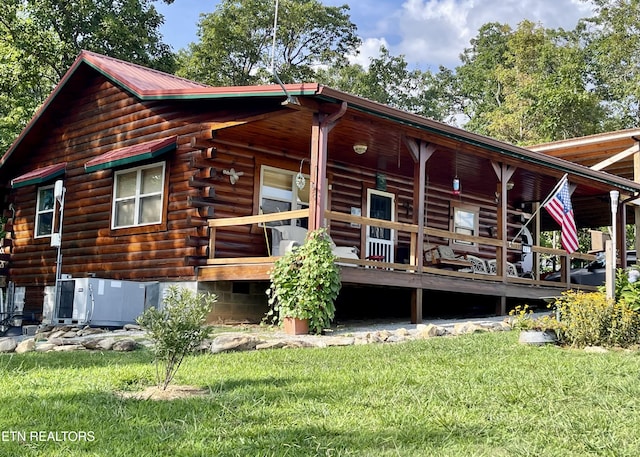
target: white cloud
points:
(435, 32)
(370, 48)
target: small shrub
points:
(590, 319)
(522, 319)
(177, 329)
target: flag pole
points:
(547, 198)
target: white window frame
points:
(138, 196)
(294, 193)
(458, 228)
(39, 213)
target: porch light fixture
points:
(360, 148)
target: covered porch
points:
(398, 187)
(417, 276)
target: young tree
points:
(235, 46)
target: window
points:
(138, 196)
(464, 221)
(44, 212)
(279, 192)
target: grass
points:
(476, 395)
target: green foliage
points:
(235, 46)
(528, 85)
(590, 319)
(305, 283)
(388, 80)
(522, 318)
(176, 329)
(40, 39)
(628, 287)
(612, 42)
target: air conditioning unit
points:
(103, 302)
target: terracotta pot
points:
(537, 337)
(295, 326)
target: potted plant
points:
(534, 330)
(304, 285)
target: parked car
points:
(593, 274)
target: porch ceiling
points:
(290, 135)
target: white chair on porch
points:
(286, 237)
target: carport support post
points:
(610, 255)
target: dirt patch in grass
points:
(172, 392)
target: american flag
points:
(559, 206)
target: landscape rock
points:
(227, 343)
(69, 348)
(45, 347)
(428, 331)
(8, 344)
(124, 345)
(132, 327)
(91, 331)
(28, 345)
(595, 349)
(464, 328)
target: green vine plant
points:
(305, 283)
(177, 329)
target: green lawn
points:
(475, 395)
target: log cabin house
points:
(170, 181)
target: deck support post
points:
(416, 306)
(501, 306)
(322, 125)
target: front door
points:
(379, 241)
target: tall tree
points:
(39, 40)
(388, 80)
(235, 46)
(528, 85)
(613, 43)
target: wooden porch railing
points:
(399, 227)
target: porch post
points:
(420, 151)
(504, 173)
(322, 125)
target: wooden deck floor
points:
(380, 274)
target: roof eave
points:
(560, 165)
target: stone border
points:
(131, 337)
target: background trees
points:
(40, 39)
(524, 85)
(235, 46)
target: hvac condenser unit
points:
(103, 302)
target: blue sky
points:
(429, 33)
